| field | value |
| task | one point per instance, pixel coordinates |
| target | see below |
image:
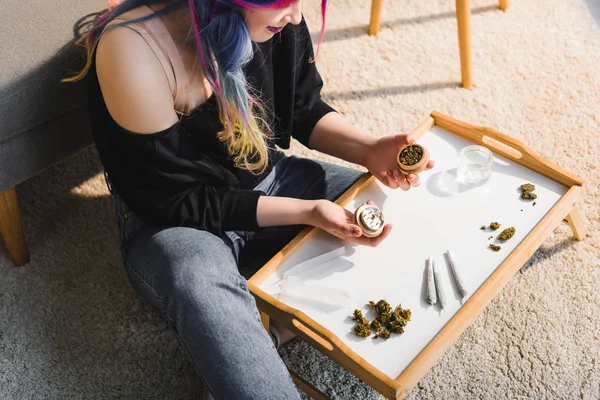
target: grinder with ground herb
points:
(370, 219)
(412, 159)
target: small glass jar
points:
(474, 165)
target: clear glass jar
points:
(474, 165)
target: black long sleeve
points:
(183, 176)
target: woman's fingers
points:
(403, 183)
(372, 242)
(391, 180)
(377, 240)
(413, 179)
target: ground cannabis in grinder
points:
(411, 155)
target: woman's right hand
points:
(341, 223)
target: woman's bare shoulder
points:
(133, 82)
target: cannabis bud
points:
(383, 307)
(507, 233)
(397, 327)
(494, 225)
(357, 316)
(384, 333)
(495, 247)
(527, 191)
(362, 330)
(376, 325)
(386, 322)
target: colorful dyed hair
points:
(224, 47)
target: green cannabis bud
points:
(383, 307)
(362, 330)
(411, 155)
(376, 325)
(527, 191)
(494, 225)
(384, 333)
(494, 247)
(507, 233)
(397, 327)
(403, 313)
(386, 322)
(357, 316)
(483, 227)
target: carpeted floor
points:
(72, 328)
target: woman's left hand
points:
(380, 160)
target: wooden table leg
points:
(307, 388)
(265, 319)
(503, 4)
(11, 228)
(376, 9)
(576, 224)
(463, 20)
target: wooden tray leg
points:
(265, 319)
(11, 228)
(376, 9)
(303, 385)
(463, 21)
(576, 224)
(307, 388)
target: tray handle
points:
(506, 146)
(295, 320)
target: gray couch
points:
(43, 121)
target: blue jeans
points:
(198, 281)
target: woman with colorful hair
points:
(189, 102)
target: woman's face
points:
(263, 23)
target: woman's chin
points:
(262, 36)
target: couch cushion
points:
(36, 54)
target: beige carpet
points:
(71, 327)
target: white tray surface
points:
(428, 220)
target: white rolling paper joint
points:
(459, 283)
(441, 294)
(431, 296)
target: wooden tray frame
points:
(330, 345)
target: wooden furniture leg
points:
(503, 4)
(576, 224)
(11, 228)
(265, 319)
(307, 388)
(303, 385)
(463, 20)
(376, 9)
